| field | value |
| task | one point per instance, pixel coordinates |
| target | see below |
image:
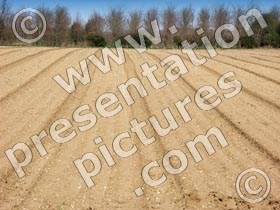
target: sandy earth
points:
(30, 100)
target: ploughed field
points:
(30, 101)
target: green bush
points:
(96, 40)
(178, 41)
(270, 37)
(248, 42)
(278, 29)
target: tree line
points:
(103, 30)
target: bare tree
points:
(95, 24)
(2, 24)
(237, 12)
(77, 30)
(221, 16)
(186, 21)
(169, 18)
(275, 12)
(48, 37)
(116, 23)
(204, 20)
(62, 23)
(134, 21)
(274, 15)
(5, 20)
(151, 15)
